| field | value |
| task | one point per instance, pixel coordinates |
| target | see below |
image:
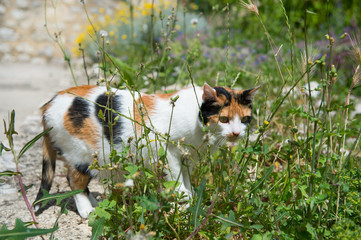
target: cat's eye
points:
(246, 119)
(223, 119)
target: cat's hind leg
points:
(48, 172)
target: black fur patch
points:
(243, 98)
(83, 168)
(114, 131)
(208, 109)
(45, 182)
(222, 91)
(78, 112)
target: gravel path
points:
(25, 88)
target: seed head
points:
(356, 78)
(250, 6)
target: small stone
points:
(76, 9)
(22, 4)
(11, 23)
(2, 9)
(8, 58)
(17, 14)
(38, 61)
(8, 34)
(7, 162)
(23, 57)
(5, 48)
(24, 48)
(48, 51)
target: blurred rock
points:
(17, 14)
(5, 48)
(8, 34)
(2, 9)
(22, 4)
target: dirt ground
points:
(25, 87)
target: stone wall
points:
(23, 37)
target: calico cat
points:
(78, 130)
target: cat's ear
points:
(247, 95)
(209, 94)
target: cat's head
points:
(227, 111)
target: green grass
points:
(295, 177)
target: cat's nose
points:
(236, 134)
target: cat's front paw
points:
(83, 205)
(84, 212)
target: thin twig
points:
(204, 221)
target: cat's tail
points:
(49, 159)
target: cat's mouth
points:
(232, 139)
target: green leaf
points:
(148, 173)
(256, 226)
(104, 209)
(26, 187)
(9, 173)
(31, 142)
(149, 203)
(2, 147)
(101, 115)
(260, 181)
(311, 230)
(171, 184)
(321, 198)
(59, 197)
(197, 209)
(161, 152)
(228, 221)
(20, 231)
(11, 129)
(97, 228)
(126, 70)
(302, 188)
(132, 169)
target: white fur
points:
(83, 204)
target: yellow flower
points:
(90, 29)
(193, 6)
(177, 27)
(108, 19)
(277, 164)
(101, 10)
(265, 122)
(144, 12)
(148, 6)
(142, 226)
(76, 51)
(124, 36)
(111, 33)
(80, 38)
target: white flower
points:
(129, 183)
(194, 22)
(103, 33)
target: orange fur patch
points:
(88, 132)
(80, 91)
(77, 180)
(143, 107)
(166, 96)
(49, 155)
(45, 107)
